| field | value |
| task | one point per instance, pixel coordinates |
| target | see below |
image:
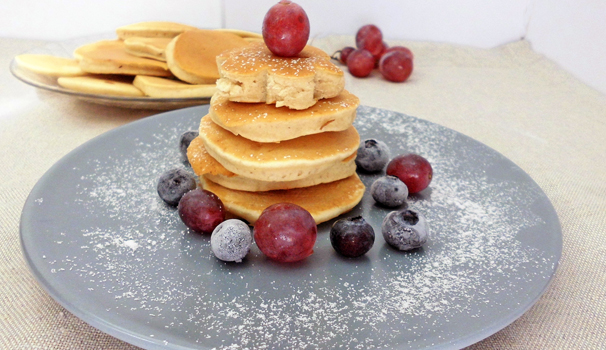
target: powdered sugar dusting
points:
(133, 256)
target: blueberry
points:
(173, 184)
(352, 237)
(389, 191)
(231, 240)
(405, 230)
(185, 140)
(372, 156)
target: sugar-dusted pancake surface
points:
(101, 85)
(153, 29)
(170, 88)
(267, 123)
(192, 56)
(110, 57)
(204, 165)
(284, 161)
(324, 201)
(154, 48)
(50, 65)
(254, 74)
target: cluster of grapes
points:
(394, 63)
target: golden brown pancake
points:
(285, 161)
(152, 30)
(192, 56)
(241, 33)
(205, 165)
(170, 88)
(110, 57)
(254, 74)
(50, 65)
(267, 123)
(324, 201)
(153, 48)
(101, 85)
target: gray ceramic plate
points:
(101, 242)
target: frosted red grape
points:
(285, 29)
(415, 171)
(396, 66)
(360, 63)
(285, 232)
(370, 37)
(201, 210)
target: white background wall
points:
(570, 32)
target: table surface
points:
(509, 98)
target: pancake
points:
(153, 48)
(205, 165)
(254, 74)
(50, 65)
(152, 30)
(267, 123)
(241, 33)
(110, 57)
(324, 201)
(192, 56)
(169, 88)
(101, 85)
(285, 161)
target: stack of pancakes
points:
(279, 129)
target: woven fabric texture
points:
(509, 98)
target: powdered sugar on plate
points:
(157, 283)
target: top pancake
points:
(267, 123)
(254, 74)
(152, 30)
(192, 56)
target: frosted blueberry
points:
(173, 184)
(372, 156)
(405, 230)
(231, 240)
(389, 191)
(185, 140)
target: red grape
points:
(380, 54)
(414, 170)
(399, 48)
(285, 232)
(345, 54)
(360, 63)
(285, 29)
(370, 38)
(201, 210)
(396, 66)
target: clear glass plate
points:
(66, 49)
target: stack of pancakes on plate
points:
(279, 129)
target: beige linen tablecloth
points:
(509, 98)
